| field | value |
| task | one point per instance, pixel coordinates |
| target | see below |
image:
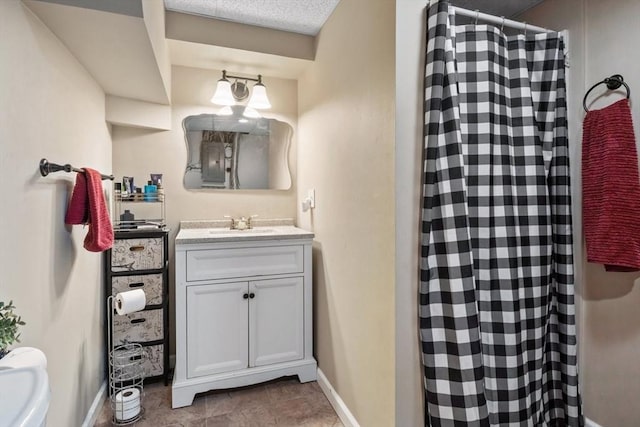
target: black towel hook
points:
(614, 82)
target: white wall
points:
(410, 45)
(139, 152)
(346, 123)
(612, 320)
(50, 107)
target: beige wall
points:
(139, 152)
(153, 17)
(346, 153)
(249, 38)
(50, 107)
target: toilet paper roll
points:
(130, 301)
(127, 414)
(127, 404)
(130, 394)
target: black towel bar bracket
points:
(46, 168)
(614, 82)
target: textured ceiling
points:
(308, 16)
(296, 16)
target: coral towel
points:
(87, 206)
(611, 188)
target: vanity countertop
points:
(192, 232)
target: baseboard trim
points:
(94, 410)
(590, 423)
(336, 401)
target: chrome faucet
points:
(242, 223)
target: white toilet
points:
(24, 388)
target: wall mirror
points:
(234, 152)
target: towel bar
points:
(46, 168)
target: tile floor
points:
(284, 402)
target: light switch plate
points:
(311, 197)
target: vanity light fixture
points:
(259, 98)
(223, 94)
(229, 94)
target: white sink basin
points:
(196, 235)
(261, 230)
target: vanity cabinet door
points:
(276, 316)
(217, 328)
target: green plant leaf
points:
(9, 323)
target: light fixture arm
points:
(225, 75)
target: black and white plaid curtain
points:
(497, 315)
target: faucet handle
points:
(249, 220)
(233, 225)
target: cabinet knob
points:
(252, 295)
(245, 296)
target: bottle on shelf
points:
(160, 193)
(126, 219)
(150, 192)
(156, 179)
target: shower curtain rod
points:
(497, 20)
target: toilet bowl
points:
(24, 388)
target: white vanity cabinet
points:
(244, 324)
(243, 309)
